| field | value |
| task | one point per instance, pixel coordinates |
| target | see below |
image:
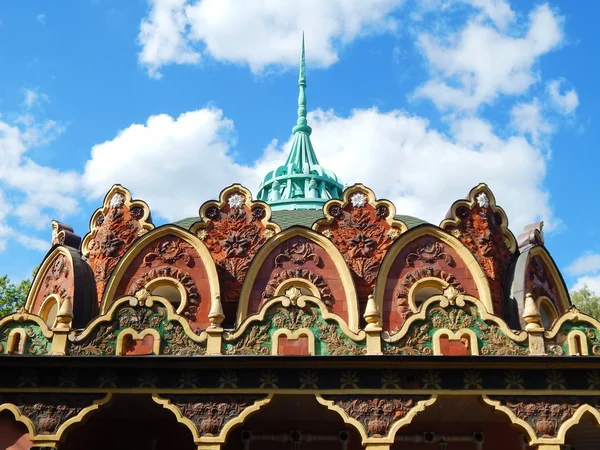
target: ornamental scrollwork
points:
(48, 412)
(376, 414)
(298, 272)
(430, 252)
(186, 280)
(35, 341)
(545, 415)
(210, 413)
(298, 252)
(113, 229)
(169, 252)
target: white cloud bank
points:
(257, 33)
(175, 164)
(586, 269)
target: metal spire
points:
(301, 124)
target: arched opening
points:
(49, 310)
(170, 290)
(289, 422)
(13, 434)
(548, 312)
(583, 436)
(458, 423)
(132, 422)
(424, 289)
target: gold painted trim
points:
(338, 260)
(423, 283)
(172, 282)
(470, 201)
(46, 307)
(455, 336)
(574, 348)
(573, 315)
(520, 337)
(563, 294)
(545, 303)
(293, 336)
(298, 283)
(39, 276)
(389, 439)
(121, 351)
(172, 316)
(481, 282)
(140, 243)
(20, 317)
(16, 338)
(260, 316)
(220, 439)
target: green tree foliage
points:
(13, 295)
(586, 301)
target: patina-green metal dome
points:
(301, 183)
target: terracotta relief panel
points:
(58, 278)
(425, 257)
(482, 227)
(172, 257)
(234, 229)
(113, 229)
(299, 257)
(540, 282)
(363, 229)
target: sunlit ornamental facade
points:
(312, 316)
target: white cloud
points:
(177, 164)
(34, 97)
(30, 192)
(527, 119)
(565, 103)
(585, 264)
(498, 11)
(476, 64)
(591, 281)
(257, 33)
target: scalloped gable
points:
(113, 229)
(482, 227)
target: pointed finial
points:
(301, 124)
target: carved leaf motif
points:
(298, 252)
(430, 252)
(210, 413)
(376, 414)
(298, 272)
(170, 251)
(48, 412)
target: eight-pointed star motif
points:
(358, 200)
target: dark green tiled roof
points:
(303, 217)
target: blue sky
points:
(419, 100)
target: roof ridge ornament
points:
(301, 183)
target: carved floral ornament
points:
(234, 229)
(113, 229)
(362, 228)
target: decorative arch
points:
(562, 412)
(32, 408)
(428, 252)
(51, 302)
(198, 412)
(366, 418)
(344, 285)
(548, 312)
(65, 275)
(132, 267)
(536, 273)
